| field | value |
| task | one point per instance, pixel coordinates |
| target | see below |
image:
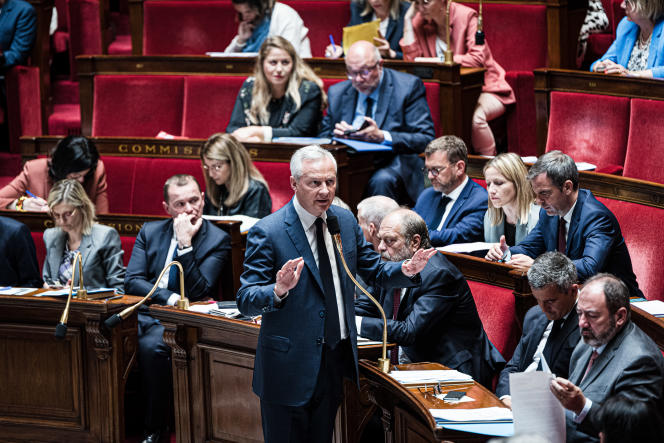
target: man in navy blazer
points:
(550, 328)
(202, 249)
(453, 208)
(434, 322)
(615, 357)
(18, 25)
(398, 115)
(573, 222)
(18, 259)
(294, 278)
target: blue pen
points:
(334, 46)
(30, 194)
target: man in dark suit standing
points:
(453, 208)
(18, 259)
(384, 106)
(614, 357)
(294, 277)
(436, 321)
(550, 329)
(202, 249)
(573, 222)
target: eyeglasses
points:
(434, 171)
(364, 73)
(215, 167)
(64, 216)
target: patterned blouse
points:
(638, 60)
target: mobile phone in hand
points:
(354, 130)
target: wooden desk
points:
(69, 390)
(405, 412)
(651, 325)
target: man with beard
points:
(435, 322)
(614, 357)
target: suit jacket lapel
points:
(574, 223)
(384, 97)
(55, 257)
(532, 346)
(299, 238)
(580, 364)
(164, 244)
(350, 102)
(570, 325)
(458, 203)
(391, 26)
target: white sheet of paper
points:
(654, 307)
(473, 415)
(247, 222)
(435, 376)
(536, 410)
(461, 248)
(16, 291)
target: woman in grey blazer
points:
(76, 231)
(511, 212)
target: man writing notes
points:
(202, 249)
(572, 222)
(381, 105)
(614, 357)
(550, 328)
(453, 208)
(434, 322)
(294, 277)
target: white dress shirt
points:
(453, 196)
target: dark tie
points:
(332, 329)
(174, 274)
(368, 111)
(593, 357)
(396, 301)
(440, 211)
(551, 340)
(562, 236)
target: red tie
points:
(396, 301)
(593, 357)
(562, 240)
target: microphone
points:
(183, 303)
(449, 55)
(61, 327)
(335, 232)
(479, 35)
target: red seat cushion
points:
(65, 120)
(137, 105)
(646, 138)
(277, 176)
(322, 18)
(589, 127)
(637, 223)
(208, 104)
(521, 125)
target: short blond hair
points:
(70, 192)
(651, 9)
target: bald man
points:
(380, 105)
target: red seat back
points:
(322, 18)
(277, 176)
(40, 247)
(127, 244)
(23, 114)
(589, 127)
(85, 34)
(646, 138)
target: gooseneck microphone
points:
(183, 303)
(449, 55)
(479, 34)
(61, 327)
(335, 232)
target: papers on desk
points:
(464, 248)
(535, 408)
(421, 378)
(652, 307)
(477, 415)
(364, 31)
(16, 291)
(203, 308)
(365, 341)
(304, 141)
(361, 146)
(247, 222)
(65, 291)
(231, 54)
(581, 166)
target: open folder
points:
(364, 31)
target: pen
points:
(115, 297)
(334, 46)
(30, 194)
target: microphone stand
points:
(449, 55)
(479, 35)
(182, 303)
(82, 293)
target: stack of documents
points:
(652, 307)
(422, 378)
(8, 290)
(478, 415)
(247, 222)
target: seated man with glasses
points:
(454, 206)
(380, 105)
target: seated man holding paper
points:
(550, 328)
(434, 322)
(387, 107)
(202, 249)
(454, 207)
(615, 357)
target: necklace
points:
(642, 41)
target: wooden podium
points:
(69, 390)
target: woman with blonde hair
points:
(511, 212)
(284, 98)
(76, 231)
(233, 185)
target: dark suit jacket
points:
(101, 251)
(402, 109)
(534, 325)
(594, 241)
(202, 266)
(464, 223)
(290, 341)
(436, 322)
(18, 259)
(18, 26)
(631, 365)
(394, 27)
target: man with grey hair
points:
(550, 328)
(435, 322)
(294, 278)
(572, 221)
(614, 357)
(454, 206)
(381, 105)
(370, 213)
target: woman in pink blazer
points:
(424, 35)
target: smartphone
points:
(353, 131)
(455, 395)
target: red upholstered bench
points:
(590, 128)
(23, 103)
(643, 159)
(322, 18)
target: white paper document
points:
(536, 410)
(247, 222)
(16, 291)
(231, 54)
(477, 415)
(652, 307)
(435, 376)
(461, 248)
